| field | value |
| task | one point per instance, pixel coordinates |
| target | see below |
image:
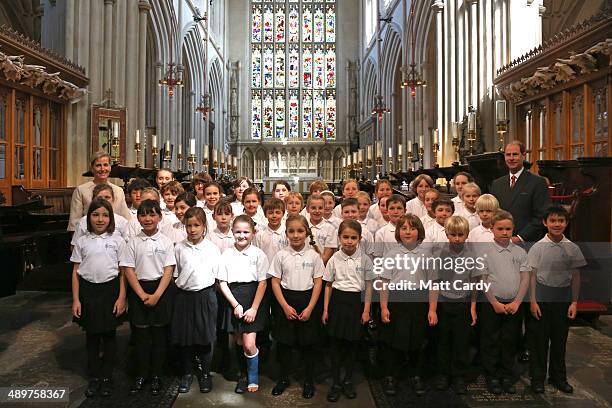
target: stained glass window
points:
(293, 69)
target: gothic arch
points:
(261, 164)
(369, 90)
(247, 164)
(215, 87)
(338, 156)
(325, 164)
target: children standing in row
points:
(98, 293)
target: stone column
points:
(474, 52)
(131, 80)
(69, 30)
(95, 52)
(438, 7)
(143, 8)
(108, 43)
(180, 70)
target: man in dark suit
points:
(523, 194)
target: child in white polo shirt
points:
(486, 205)
(555, 286)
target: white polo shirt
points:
(416, 207)
(176, 232)
(555, 262)
(325, 235)
(222, 240)
(260, 221)
(210, 221)
(297, 269)
(170, 215)
(133, 212)
(472, 218)
(134, 228)
(405, 270)
(435, 233)
(504, 267)
(200, 203)
(427, 221)
(385, 239)
(374, 213)
(349, 273)
(480, 234)
(197, 266)
(148, 255)
(453, 269)
(98, 256)
(121, 226)
(459, 206)
(249, 265)
(270, 241)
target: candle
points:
(180, 148)
(390, 152)
(472, 121)
(343, 162)
(206, 152)
(154, 141)
(409, 147)
(235, 162)
(379, 149)
(167, 145)
(500, 111)
(222, 160)
(355, 161)
(137, 135)
(192, 147)
(369, 152)
(214, 154)
(399, 149)
(421, 141)
(116, 129)
(360, 155)
(436, 136)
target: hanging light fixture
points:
(379, 108)
(205, 106)
(411, 77)
(172, 79)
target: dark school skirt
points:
(296, 332)
(344, 315)
(194, 317)
(407, 329)
(158, 315)
(97, 302)
(244, 292)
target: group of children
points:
(194, 265)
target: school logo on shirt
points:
(159, 251)
(307, 264)
(253, 262)
(110, 245)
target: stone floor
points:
(41, 347)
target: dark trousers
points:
(454, 321)
(499, 339)
(550, 332)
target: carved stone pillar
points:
(438, 7)
(108, 43)
(143, 8)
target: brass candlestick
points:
(422, 156)
(167, 158)
(379, 163)
(410, 156)
(435, 148)
(471, 138)
(137, 149)
(191, 162)
(154, 153)
(502, 128)
(399, 161)
(179, 157)
(115, 148)
(456, 147)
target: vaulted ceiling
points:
(23, 16)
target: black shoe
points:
(348, 389)
(280, 387)
(563, 386)
(537, 387)
(106, 388)
(508, 386)
(494, 387)
(155, 385)
(185, 383)
(205, 383)
(241, 386)
(442, 383)
(459, 386)
(524, 356)
(92, 388)
(418, 386)
(388, 386)
(334, 393)
(138, 385)
(308, 390)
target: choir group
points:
(205, 272)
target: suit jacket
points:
(527, 202)
(82, 196)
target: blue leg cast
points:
(252, 371)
